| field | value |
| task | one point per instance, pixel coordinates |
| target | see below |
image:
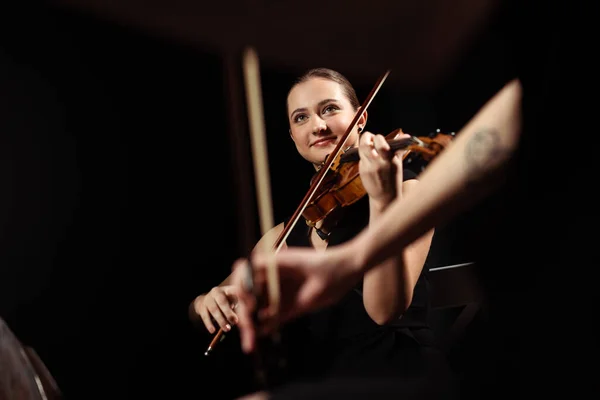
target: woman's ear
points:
(362, 121)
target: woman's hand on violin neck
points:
(380, 168)
(218, 305)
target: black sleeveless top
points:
(342, 340)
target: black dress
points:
(342, 343)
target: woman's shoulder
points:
(271, 236)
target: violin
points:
(342, 185)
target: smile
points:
(324, 142)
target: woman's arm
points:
(470, 168)
(388, 288)
(218, 303)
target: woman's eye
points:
(329, 108)
(299, 118)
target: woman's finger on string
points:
(365, 147)
(400, 153)
(382, 148)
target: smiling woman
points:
(380, 327)
(321, 106)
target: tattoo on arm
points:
(483, 153)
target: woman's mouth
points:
(324, 142)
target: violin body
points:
(342, 185)
(343, 188)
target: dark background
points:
(119, 194)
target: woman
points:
(380, 327)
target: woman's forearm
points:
(470, 168)
(388, 288)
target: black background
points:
(119, 195)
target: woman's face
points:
(319, 114)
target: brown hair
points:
(334, 76)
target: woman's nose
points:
(319, 126)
